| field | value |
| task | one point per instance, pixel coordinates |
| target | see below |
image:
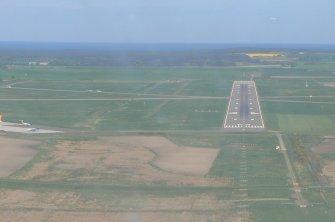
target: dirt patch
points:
(51, 216)
(177, 159)
(328, 84)
(14, 154)
(20, 205)
(329, 171)
(123, 159)
(46, 200)
(326, 146)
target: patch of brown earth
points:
(135, 159)
(326, 146)
(14, 154)
(329, 84)
(173, 158)
(19, 205)
(50, 216)
(329, 171)
(45, 200)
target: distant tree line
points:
(124, 58)
(87, 57)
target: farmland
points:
(146, 143)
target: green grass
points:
(267, 171)
(306, 123)
(275, 213)
(299, 117)
(265, 166)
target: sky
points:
(169, 21)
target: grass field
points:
(88, 168)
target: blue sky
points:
(158, 21)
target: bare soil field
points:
(329, 84)
(178, 159)
(46, 200)
(14, 154)
(329, 171)
(20, 205)
(326, 146)
(50, 216)
(136, 159)
(55, 200)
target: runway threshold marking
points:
(244, 111)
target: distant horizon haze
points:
(105, 46)
(174, 21)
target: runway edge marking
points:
(227, 112)
(259, 105)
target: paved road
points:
(302, 77)
(114, 99)
(288, 97)
(300, 199)
(18, 128)
(157, 96)
(297, 101)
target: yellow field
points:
(253, 55)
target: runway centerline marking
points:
(246, 114)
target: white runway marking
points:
(243, 99)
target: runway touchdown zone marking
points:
(244, 110)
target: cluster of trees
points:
(186, 57)
(125, 58)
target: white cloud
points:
(274, 19)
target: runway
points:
(244, 111)
(17, 128)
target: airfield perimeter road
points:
(244, 111)
(107, 92)
(19, 128)
(134, 96)
(300, 200)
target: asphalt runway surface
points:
(244, 111)
(19, 128)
